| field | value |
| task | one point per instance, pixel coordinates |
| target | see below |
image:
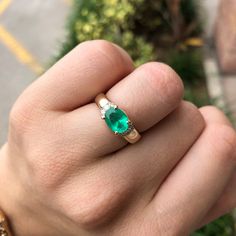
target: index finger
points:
(91, 68)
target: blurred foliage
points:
(222, 227)
(187, 63)
(163, 30)
(144, 30)
(110, 20)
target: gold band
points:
(4, 228)
(131, 134)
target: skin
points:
(63, 172)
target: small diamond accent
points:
(107, 107)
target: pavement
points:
(209, 15)
(221, 87)
(30, 35)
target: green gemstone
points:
(117, 120)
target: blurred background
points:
(196, 37)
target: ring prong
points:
(103, 117)
(116, 133)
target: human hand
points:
(63, 172)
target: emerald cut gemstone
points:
(117, 120)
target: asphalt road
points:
(30, 35)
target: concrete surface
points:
(221, 87)
(229, 87)
(209, 15)
(38, 27)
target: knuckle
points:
(163, 78)
(168, 225)
(192, 114)
(191, 110)
(20, 118)
(109, 53)
(42, 145)
(210, 108)
(47, 172)
(223, 138)
(25, 119)
(104, 45)
(96, 204)
(99, 209)
(212, 113)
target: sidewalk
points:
(221, 87)
(30, 34)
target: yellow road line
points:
(4, 5)
(19, 51)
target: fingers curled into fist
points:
(69, 174)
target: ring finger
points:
(147, 95)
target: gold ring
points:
(116, 119)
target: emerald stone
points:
(117, 120)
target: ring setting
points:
(116, 119)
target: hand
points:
(63, 172)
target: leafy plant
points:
(224, 226)
(107, 19)
(188, 64)
(142, 28)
